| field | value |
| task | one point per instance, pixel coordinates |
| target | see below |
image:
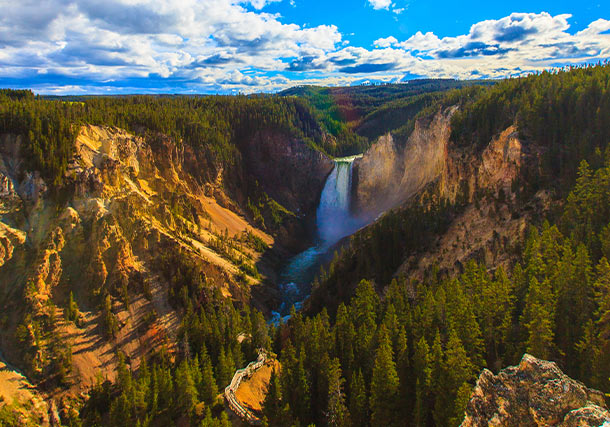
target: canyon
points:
(146, 249)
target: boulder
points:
(534, 393)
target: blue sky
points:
(229, 46)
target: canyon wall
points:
(290, 171)
(390, 173)
(484, 181)
(128, 201)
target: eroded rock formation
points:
(389, 173)
(534, 393)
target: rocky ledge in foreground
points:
(535, 393)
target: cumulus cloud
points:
(123, 39)
(385, 42)
(519, 37)
(234, 45)
(380, 4)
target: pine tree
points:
(337, 414)
(186, 393)
(602, 324)
(496, 308)
(208, 389)
(344, 339)
(273, 408)
(384, 384)
(457, 371)
(437, 374)
(538, 319)
(423, 371)
(574, 307)
(358, 406)
(224, 369)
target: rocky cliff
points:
(534, 393)
(485, 181)
(127, 202)
(389, 173)
(292, 173)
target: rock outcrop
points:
(290, 171)
(388, 173)
(482, 180)
(127, 201)
(534, 393)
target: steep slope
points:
(389, 173)
(451, 204)
(127, 202)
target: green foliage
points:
(72, 312)
(565, 111)
(378, 250)
(355, 116)
(110, 324)
(266, 212)
(384, 384)
(213, 125)
(337, 414)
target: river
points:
(334, 221)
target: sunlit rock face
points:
(389, 173)
(534, 393)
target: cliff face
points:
(492, 220)
(535, 393)
(290, 171)
(388, 174)
(128, 201)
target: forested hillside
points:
(358, 115)
(413, 353)
(425, 341)
(384, 340)
(215, 124)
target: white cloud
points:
(387, 42)
(259, 4)
(133, 38)
(380, 4)
(226, 45)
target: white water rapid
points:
(334, 221)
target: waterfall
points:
(334, 221)
(333, 217)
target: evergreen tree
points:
(224, 369)
(423, 371)
(384, 384)
(358, 406)
(208, 389)
(457, 371)
(186, 393)
(274, 410)
(538, 318)
(337, 414)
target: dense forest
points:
(395, 351)
(411, 355)
(214, 124)
(566, 111)
(358, 115)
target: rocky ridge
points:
(127, 200)
(429, 164)
(534, 393)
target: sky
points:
(246, 46)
